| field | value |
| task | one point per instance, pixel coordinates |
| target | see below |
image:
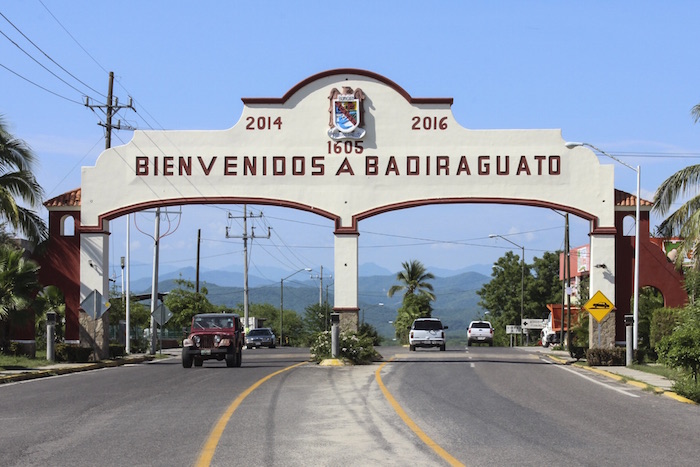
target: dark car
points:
(260, 337)
(214, 336)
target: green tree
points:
(543, 285)
(18, 285)
(682, 348)
(184, 302)
(50, 299)
(139, 312)
(501, 295)
(684, 221)
(413, 279)
(316, 319)
(413, 307)
(18, 185)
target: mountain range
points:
(456, 298)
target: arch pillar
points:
(346, 279)
(94, 275)
(603, 279)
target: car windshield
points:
(481, 325)
(429, 325)
(260, 332)
(213, 322)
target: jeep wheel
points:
(412, 348)
(186, 359)
(442, 348)
(231, 360)
(239, 357)
(198, 361)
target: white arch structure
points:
(313, 150)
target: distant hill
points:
(456, 302)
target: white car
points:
(427, 332)
(480, 331)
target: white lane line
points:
(592, 380)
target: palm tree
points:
(685, 221)
(17, 183)
(413, 279)
(18, 280)
(50, 299)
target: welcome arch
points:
(346, 144)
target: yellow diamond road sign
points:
(599, 306)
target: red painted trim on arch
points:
(348, 71)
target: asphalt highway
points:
(481, 406)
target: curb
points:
(639, 384)
(46, 372)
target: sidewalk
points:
(53, 369)
(642, 379)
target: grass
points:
(657, 369)
(8, 362)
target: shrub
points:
(358, 349)
(682, 349)
(663, 322)
(116, 350)
(72, 353)
(606, 357)
(688, 388)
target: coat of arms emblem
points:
(346, 114)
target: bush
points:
(682, 349)
(358, 349)
(116, 350)
(688, 388)
(606, 357)
(72, 353)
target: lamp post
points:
(635, 312)
(522, 281)
(282, 301)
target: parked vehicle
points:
(214, 336)
(480, 331)
(427, 332)
(260, 337)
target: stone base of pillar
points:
(602, 334)
(349, 319)
(95, 334)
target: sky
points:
(619, 75)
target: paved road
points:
(484, 406)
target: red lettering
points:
(250, 165)
(345, 167)
(554, 165)
(298, 166)
(523, 166)
(317, 166)
(443, 165)
(168, 165)
(504, 171)
(279, 166)
(463, 166)
(230, 165)
(141, 165)
(185, 166)
(206, 169)
(371, 165)
(539, 160)
(392, 167)
(412, 165)
(484, 166)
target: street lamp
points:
(522, 281)
(636, 234)
(282, 301)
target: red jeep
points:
(214, 335)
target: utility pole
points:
(199, 241)
(110, 109)
(245, 238)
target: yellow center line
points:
(207, 454)
(411, 424)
